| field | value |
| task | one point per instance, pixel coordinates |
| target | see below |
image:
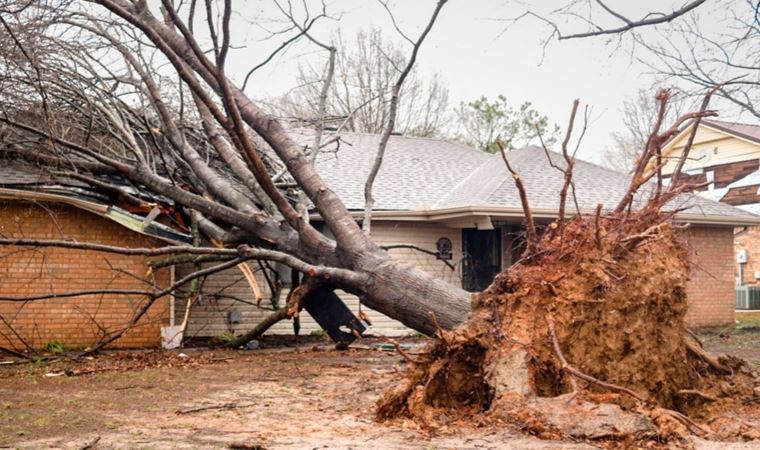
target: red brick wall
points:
(76, 321)
(711, 288)
(748, 239)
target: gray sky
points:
(476, 56)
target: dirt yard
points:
(315, 397)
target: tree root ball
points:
(583, 338)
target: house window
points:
(482, 258)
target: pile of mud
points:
(583, 338)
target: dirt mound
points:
(583, 337)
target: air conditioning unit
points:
(747, 297)
(742, 256)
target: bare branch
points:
(649, 20)
(369, 200)
(531, 237)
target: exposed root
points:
(695, 392)
(695, 347)
(584, 340)
(607, 292)
(401, 352)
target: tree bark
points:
(413, 297)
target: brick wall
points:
(76, 321)
(748, 239)
(744, 195)
(711, 288)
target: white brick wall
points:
(209, 318)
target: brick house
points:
(429, 190)
(726, 156)
(456, 204)
(82, 320)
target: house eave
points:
(506, 213)
(109, 212)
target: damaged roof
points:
(27, 182)
(420, 177)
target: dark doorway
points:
(482, 258)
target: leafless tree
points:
(724, 53)
(639, 114)
(599, 19)
(112, 87)
(366, 69)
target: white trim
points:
(496, 212)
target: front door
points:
(482, 258)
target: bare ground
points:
(313, 398)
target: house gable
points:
(714, 145)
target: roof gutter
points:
(497, 212)
(18, 194)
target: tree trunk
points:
(416, 298)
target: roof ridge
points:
(466, 180)
(420, 138)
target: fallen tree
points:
(585, 336)
(116, 90)
(140, 92)
(588, 327)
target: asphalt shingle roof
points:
(745, 130)
(416, 172)
(420, 174)
(429, 174)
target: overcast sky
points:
(476, 56)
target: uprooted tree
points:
(594, 309)
(584, 336)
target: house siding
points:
(222, 292)
(75, 321)
(710, 290)
(711, 148)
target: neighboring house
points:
(458, 205)
(725, 157)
